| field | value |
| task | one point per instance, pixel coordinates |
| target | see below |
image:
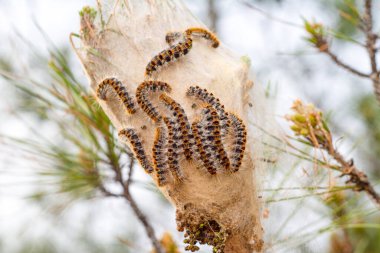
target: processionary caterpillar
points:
(131, 135)
(240, 139)
(120, 90)
(204, 33)
(160, 158)
(168, 55)
(181, 119)
(142, 97)
(209, 98)
(174, 145)
(211, 126)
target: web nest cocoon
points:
(222, 210)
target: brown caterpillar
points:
(120, 90)
(240, 140)
(168, 55)
(204, 33)
(142, 93)
(202, 148)
(131, 135)
(209, 98)
(211, 126)
(181, 118)
(174, 146)
(160, 159)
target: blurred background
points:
(53, 161)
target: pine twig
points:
(213, 15)
(343, 65)
(143, 219)
(268, 15)
(371, 39)
(309, 124)
(128, 197)
(356, 177)
(318, 37)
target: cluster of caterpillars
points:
(216, 141)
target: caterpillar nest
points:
(181, 104)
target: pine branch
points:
(125, 184)
(142, 218)
(308, 122)
(356, 177)
(371, 40)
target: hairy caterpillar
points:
(202, 148)
(201, 32)
(160, 158)
(240, 139)
(211, 126)
(169, 55)
(180, 117)
(120, 90)
(174, 144)
(131, 135)
(142, 93)
(209, 98)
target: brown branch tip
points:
(308, 123)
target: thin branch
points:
(130, 171)
(270, 16)
(309, 123)
(371, 39)
(213, 15)
(309, 188)
(128, 197)
(368, 21)
(356, 177)
(107, 193)
(143, 219)
(341, 64)
(306, 195)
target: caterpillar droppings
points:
(120, 90)
(142, 97)
(203, 33)
(131, 135)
